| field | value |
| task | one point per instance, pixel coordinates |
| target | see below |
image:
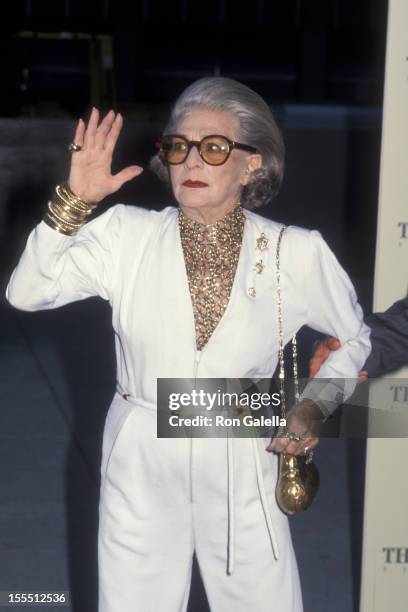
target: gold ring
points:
(73, 147)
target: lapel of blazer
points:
(176, 312)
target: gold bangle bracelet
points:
(68, 193)
(74, 225)
(66, 213)
(59, 224)
(71, 203)
(55, 226)
(64, 205)
(54, 210)
(70, 197)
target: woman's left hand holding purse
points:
(304, 419)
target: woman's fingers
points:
(113, 135)
(127, 174)
(94, 135)
(103, 129)
(333, 343)
(278, 444)
(89, 137)
(79, 133)
(104, 136)
(362, 377)
(308, 443)
(283, 445)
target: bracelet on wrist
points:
(68, 196)
(66, 215)
(57, 226)
(66, 212)
(66, 221)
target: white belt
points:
(230, 500)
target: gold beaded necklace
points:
(211, 255)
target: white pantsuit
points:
(161, 499)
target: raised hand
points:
(90, 175)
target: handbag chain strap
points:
(281, 344)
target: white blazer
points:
(133, 258)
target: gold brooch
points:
(262, 242)
(251, 291)
(259, 266)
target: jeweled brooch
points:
(262, 243)
(259, 266)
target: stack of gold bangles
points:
(67, 212)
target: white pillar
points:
(384, 586)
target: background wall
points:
(385, 558)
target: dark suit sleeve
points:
(389, 339)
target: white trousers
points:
(161, 499)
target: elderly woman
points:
(193, 294)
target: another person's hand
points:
(304, 419)
(90, 175)
(321, 353)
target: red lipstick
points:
(194, 184)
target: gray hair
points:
(257, 128)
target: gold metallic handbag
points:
(298, 476)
